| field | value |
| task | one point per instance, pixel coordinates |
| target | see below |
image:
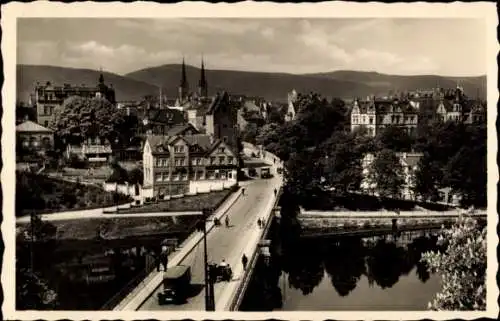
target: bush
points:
(78, 162)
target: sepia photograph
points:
(168, 163)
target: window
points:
(183, 161)
(198, 161)
(223, 174)
(221, 159)
(158, 162)
(230, 159)
(158, 177)
(200, 175)
(165, 177)
(212, 160)
(193, 161)
(177, 161)
(371, 120)
(221, 149)
(46, 123)
(181, 149)
(164, 162)
(224, 139)
(210, 174)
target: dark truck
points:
(176, 285)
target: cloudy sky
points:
(451, 47)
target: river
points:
(377, 273)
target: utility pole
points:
(209, 293)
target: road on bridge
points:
(223, 243)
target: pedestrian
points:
(227, 221)
(243, 191)
(164, 257)
(275, 192)
(259, 223)
(157, 261)
(244, 261)
(274, 159)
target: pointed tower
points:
(184, 86)
(202, 85)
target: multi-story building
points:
(221, 121)
(417, 108)
(47, 97)
(374, 114)
(184, 164)
(409, 162)
(31, 137)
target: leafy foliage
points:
(32, 292)
(394, 138)
(250, 132)
(462, 267)
(454, 156)
(79, 118)
(386, 172)
(40, 193)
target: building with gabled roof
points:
(32, 137)
(47, 97)
(221, 120)
(187, 163)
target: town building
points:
(375, 114)
(411, 110)
(96, 150)
(221, 121)
(409, 162)
(34, 138)
(292, 109)
(47, 97)
(156, 121)
(182, 164)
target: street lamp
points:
(209, 287)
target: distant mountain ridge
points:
(271, 86)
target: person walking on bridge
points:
(275, 192)
(227, 221)
(244, 261)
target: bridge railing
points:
(240, 292)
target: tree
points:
(32, 292)
(136, 176)
(79, 118)
(342, 167)
(466, 171)
(250, 132)
(462, 267)
(386, 172)
(41, 230)
(118, 175)
(394, 138)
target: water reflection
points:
(381, 262)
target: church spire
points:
(202, 85)
(184, 86)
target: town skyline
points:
(258, 45)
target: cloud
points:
(285, 45)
